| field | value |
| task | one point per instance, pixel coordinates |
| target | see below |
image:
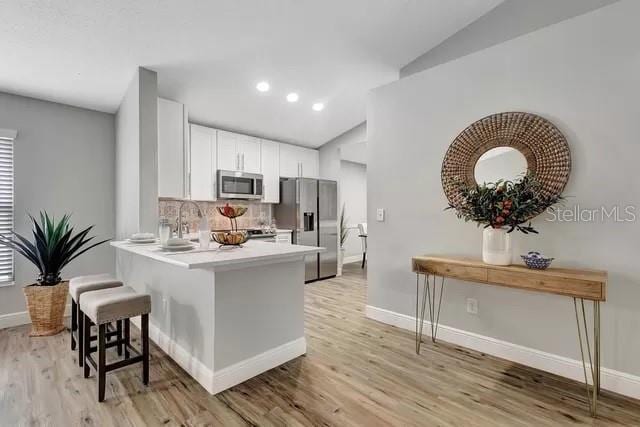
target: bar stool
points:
(109, 305)
(78, 286)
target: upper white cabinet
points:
(211, 150)
(238, 152)
(270, 167)
(250, 153)
(203, 163)
(310, 163)
(228, 158)
(173, 143)
(298, 161)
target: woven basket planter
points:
(46, 306)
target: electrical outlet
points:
(380, 215)
(472, 306)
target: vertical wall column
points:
(137, 156)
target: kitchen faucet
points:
(200, 215)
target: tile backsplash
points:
(257, 213)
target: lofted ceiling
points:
(209, 54)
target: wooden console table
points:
(580, 285)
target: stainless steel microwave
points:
(239, 185)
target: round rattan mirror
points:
(523, 138)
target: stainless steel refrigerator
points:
(309, 207)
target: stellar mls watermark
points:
(577, 213)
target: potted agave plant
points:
(54, 245)
(502, 207)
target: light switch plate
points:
(380, 215)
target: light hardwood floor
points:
(357, 372)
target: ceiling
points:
(210, 55)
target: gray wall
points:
(510, 19)
(136, 166)
(353, 193)
(582, 74)
(64, 162)
(330, 152)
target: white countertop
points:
(251, 252)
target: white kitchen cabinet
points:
(228, 158)
(289, 161)
(238, 152)
(270, 167)
(310, 163)
(203, 163)
(173, 144)
(298, 161)
(250, 154)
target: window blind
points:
(6, 208)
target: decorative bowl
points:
(232, 211)
(536, 260)
(230, 238)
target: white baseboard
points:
(182, 357)
(352, 258)
(22, 318)
(215, 382)
(249, 368)
(616, 381)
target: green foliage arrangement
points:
(504, 203)
(54, 246)
(344, 230)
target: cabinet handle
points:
(237, 161)
(213, 190)
(188, 186)
(243, 162)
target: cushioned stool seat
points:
(78, 286)
(115, 305)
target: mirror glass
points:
(506, 163)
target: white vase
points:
(340, 261)
(496, 246)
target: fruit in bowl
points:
(535, 260)
(229, 238)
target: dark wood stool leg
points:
(127, 337)
(86, 342)
(119, 334)
(81, 334)
(364, 258)
(145, 348)
(74, 323)
(102, 373)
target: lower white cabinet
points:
(203, 163)
(270, 169)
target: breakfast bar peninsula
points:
(223, 314)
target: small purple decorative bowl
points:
(536, 261)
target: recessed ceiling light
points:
(318, 106)
(292, 97)
(263, 86)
